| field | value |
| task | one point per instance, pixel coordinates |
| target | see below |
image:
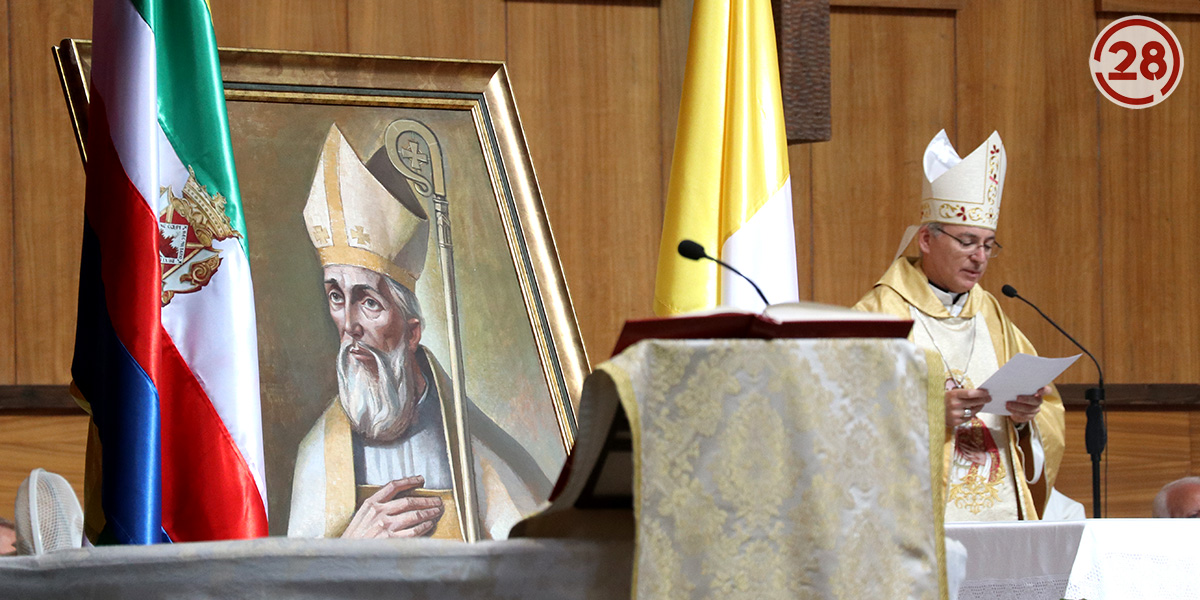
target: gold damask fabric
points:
(782, 469)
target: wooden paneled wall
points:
(1099, 220)
(1146, 449)
(585, 76)
(27, 442)
(7, 186)
(1150, 227)
(863, 184)
(899, 76)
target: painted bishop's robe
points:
(335, 471)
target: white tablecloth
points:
(327, 568)
(1097, 559)
(1137, 558)
(1017, 561)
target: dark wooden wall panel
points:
(467, 29)
(889, 99)
(1151, 251)
(47, 183)
(589, 100)
(1022, 70)
(8, 324)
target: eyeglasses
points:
(990, 249)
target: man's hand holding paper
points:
(963, 404)
(1026, 407)
(1017, 388)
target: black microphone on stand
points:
(694, 251)
(1095, 436)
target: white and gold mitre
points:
(353, 219)
(963, 191)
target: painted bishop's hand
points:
(1025, 408)
(385, 516)
(962, 405)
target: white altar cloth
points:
(1097, 559)
(1137, 558)
(1021, 560)
(327, 568)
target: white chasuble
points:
(980, 482)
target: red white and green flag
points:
(166, 350)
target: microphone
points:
(1011, 292)
(694, 251)
(1095, 437)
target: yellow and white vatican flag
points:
(730, 188)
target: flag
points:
(730, 188)
(166, 354)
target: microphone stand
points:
(1095, 435)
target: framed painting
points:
(413, 321)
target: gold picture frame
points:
(506, 329)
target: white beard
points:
(380, 408)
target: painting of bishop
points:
(382, 459)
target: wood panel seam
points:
(954, 76)
(1161, 7)
(812, 217)
(12, 193)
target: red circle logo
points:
(1136, 62)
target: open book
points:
(790, 320)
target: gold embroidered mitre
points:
(963, 191)
(354, 219)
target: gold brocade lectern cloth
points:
(782, 469)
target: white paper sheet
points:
(1022, 376)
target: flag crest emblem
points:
(188, 226)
